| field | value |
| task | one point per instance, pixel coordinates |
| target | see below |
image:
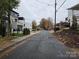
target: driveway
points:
(42, 46)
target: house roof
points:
(14, 12)
(76, 7)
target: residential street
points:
(42, 46)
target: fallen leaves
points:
(69, 38)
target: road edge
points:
(15, 43)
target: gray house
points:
(73, 11)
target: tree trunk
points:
(9, 23)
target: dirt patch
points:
(5, 41)
(69, 37)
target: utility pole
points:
(55, 16)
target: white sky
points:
(37, 9)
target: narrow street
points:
(42, 46)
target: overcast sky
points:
(37, 9)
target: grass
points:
(5, 39)
(9, 38)
(17, 34)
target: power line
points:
(62, 4)
(42, 2)
(58, 0)
(45, 3)
(52, 4)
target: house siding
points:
(15, 22)
(13, 19)
(70, 16)
(72, 13)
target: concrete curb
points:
(15, 43)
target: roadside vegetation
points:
(69, 37)
(6, 40)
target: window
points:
(15, 20)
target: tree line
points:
(45, 24)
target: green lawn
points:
(17, 34)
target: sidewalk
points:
(13, 42)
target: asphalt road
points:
(42, 46)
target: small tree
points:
(34, 25)
(42, 23)
(46, 23)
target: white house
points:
(73, 11)
(17, 23)
(21, 23)
(14, 18)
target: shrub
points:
(26, 31)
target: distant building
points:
(73, 11)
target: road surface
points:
(42, 46)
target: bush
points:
(26, 31)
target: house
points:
(20, 23)
(13, 21)
(14, 18)
(73, 11)
(17, 23)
